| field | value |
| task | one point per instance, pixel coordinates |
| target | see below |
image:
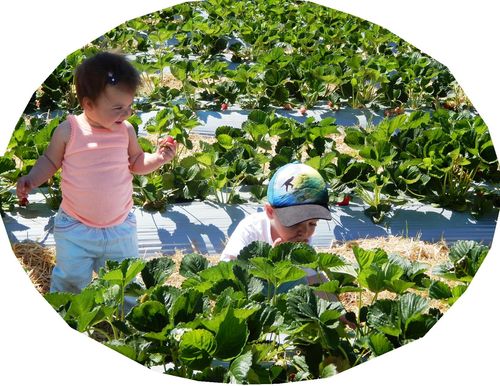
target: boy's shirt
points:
(255, 227)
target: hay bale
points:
(38, 262)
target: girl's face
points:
(300, 232)
(110, 109)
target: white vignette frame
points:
(37, 345)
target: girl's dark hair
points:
(102, 69)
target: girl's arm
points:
(48, 164)
(144, 163)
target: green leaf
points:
(225, 141)
(157, 271)
(149, 316)
(222, 271)
(231, 336)
(398, 286)
(328, 260)
(302, 254)
(412, 307)
(196, 348)
(439, 290)
(82, 309)
(380, 344)
(146, 145)
(262, 268)
(299, 253)
(6, 164)
(354, 138)
(328, 371)
(239, 368)
(372, 278)
(187, 306)
(254, 249)
(286, 272)
(363, 257)
(179, 71)
(58, 299)
(127, 270)
(301, 304)
(384, 316)
(123, 348)
(330, 316)
(192, 264)
(331, 286)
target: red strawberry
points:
(165, 140)
(345, 201)
(223, 106)
(330, 104)
(302, 110)
(23, 201)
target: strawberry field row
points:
(444, 158)
(229, 322)
(261, 54)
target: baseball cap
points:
(298, 193)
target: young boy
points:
(297, 199)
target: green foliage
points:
(218, 327)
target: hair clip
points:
(111, 79)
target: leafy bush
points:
(230, 323)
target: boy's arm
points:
(48, 164)
(144, 163)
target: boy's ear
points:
(269, 211)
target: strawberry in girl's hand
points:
(167, 139)
(23, 201)
(345, 201)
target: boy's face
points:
(300, 232)
(111, 108)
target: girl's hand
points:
(23, 187)
(167, 149)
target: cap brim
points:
(292, 215)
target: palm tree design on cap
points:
(288, 183)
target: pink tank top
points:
(96, 181)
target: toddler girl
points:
(98, 151)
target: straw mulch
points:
(37, 261)
(413, 249)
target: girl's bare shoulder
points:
(62, 133)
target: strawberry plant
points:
(465, 258)
(8, 176)
(231, 322)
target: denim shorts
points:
(82, 250)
